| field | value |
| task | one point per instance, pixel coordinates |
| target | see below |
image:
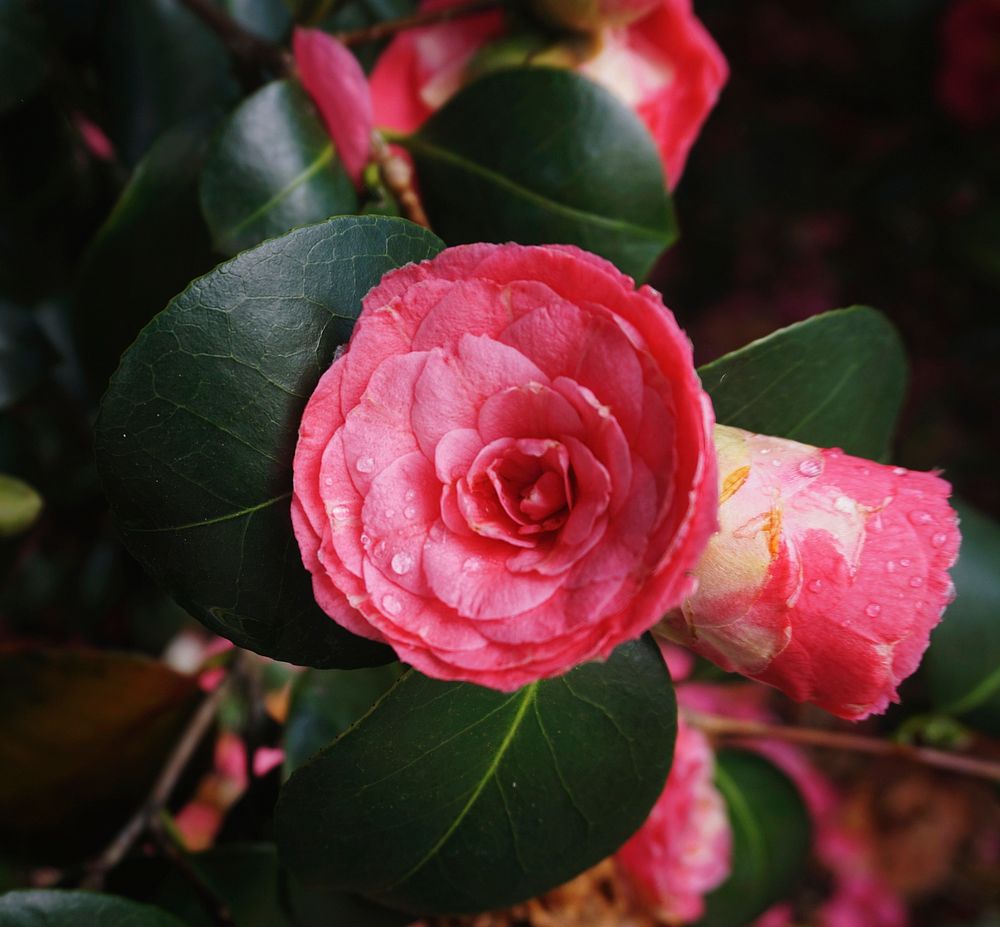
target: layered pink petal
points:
(490, 522)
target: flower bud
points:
(827, 575)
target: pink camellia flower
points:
(859, 896)
(510, 470)
(827, 575)
(333, 78)
(684, 849)
(664, 65)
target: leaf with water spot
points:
(834, 380)
(197, 431)
(448, 797)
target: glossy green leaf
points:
(160, 66)
(20, 506)
(23, 52)
(771, 839)
(83, 734)
(151, 246)
(197, 431)
(834, 380)
(272, 168)
(325, 703)
(57, 908)
(539, 155)
(448, 797)
(962, 665)
(25, 354)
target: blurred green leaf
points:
(197, 431)
(20, 506)
(834, 380)
(270, 19)
(325, 703)
(160, 66)
(962, 665)
(83, 734)
(771, 839)
(25, 354)
(57, 908)
(540, 155)
(448, 797)
(24, 58)
(272, 168)
(150, 247)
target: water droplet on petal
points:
(920, 517)
(365, 465)
(409, 511)
(391, 605)
(775, 463)
(811, 466)
(328, 481)
(899, 471)
(916, 581)
(843, 504)
(341, 512)
(366, 541)
(401, 563)
(765, 450)
(890, 567)
(872, 611)
(411, 494)
(939, 539)
(905, 562)
(816, 585)
(379, 550)
(472, 565)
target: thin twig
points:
(397, 175)
(423, 18)
(162, 789)
(250, 51)
(718, 726)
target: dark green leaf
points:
(325, 703)
(540, 155)
(60, 908)
(56, 908)
(83, 734)
(197, 430)
(23, 53)
(270, 19)
(271, 169)
(161, 66)
(771, 839)
(25, 354)
(447, 797)
(834, 380)
(151, 246)
(20, 506)
(962, 666)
